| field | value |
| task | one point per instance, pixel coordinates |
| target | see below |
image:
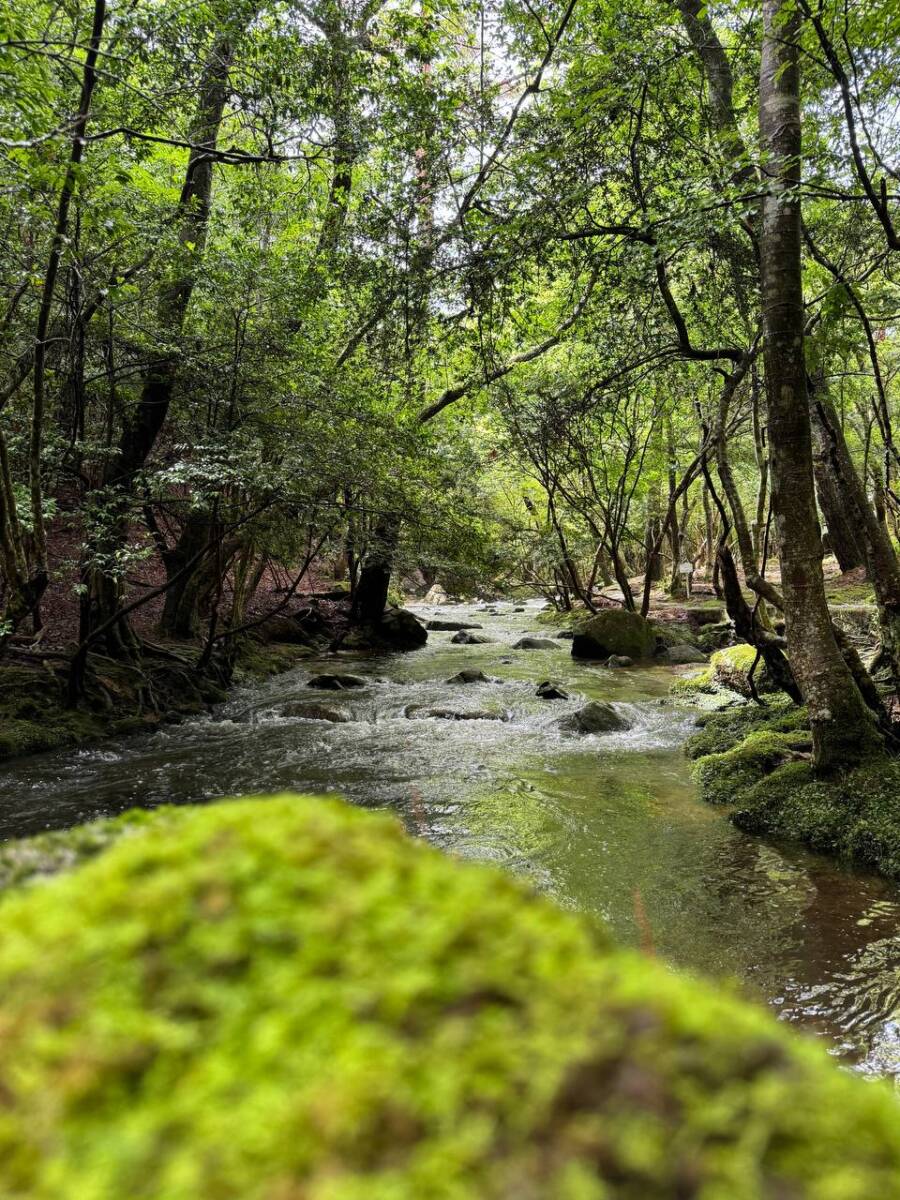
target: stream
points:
(608, 823)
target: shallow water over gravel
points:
(606, 823)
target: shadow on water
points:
(607, 824)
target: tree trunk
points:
(181, 608)
(142, 429)
(370, 597)
(843, 729)
(880, 557)
(844, 530)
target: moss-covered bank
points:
(758, 761)
(270, 1000)
(119, 698)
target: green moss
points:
(855, 593)
(695, 683)
(395, 597)
(284, 999)
(722, 731)
(119, 699)
(732, 667)
(24, 860)
(259, 660)
(562, 620)
(723, 777)
(855, 815)
(756, 759)
(33, 717)
(740, 657)
(674, 633)
(614, 631)
(715, 637)
(702, 690)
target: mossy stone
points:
(614, 631)
(723, 777)
(757, 759)
(263, 1000)
(732, 667)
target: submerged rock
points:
(289, 997)
(418, 712)
(450, 626)
(616, 661)
(336, 683)
(316, 712)
(565, 635)
(614, 631)
(470, 675)
(535, 643)
(465, 637)
(682, 654)
(551, 691)
(596, 717)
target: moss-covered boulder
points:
(722, 731)
(702, 690)
(700, 615)
(614, 631)
(716, 637)
(726, 682)
(732, 669)
(30, 859)
(723, 777)
(264, 1000)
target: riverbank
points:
(756, 760)
(164, 686)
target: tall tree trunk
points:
(844, 527)
(881, 559)
(181, 607)
(370, 597)
(843, 729)
(27, 581)
(677, 586)
(143, 427)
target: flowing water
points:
(605, 823)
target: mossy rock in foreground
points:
(269, 1000)
(34, 859)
